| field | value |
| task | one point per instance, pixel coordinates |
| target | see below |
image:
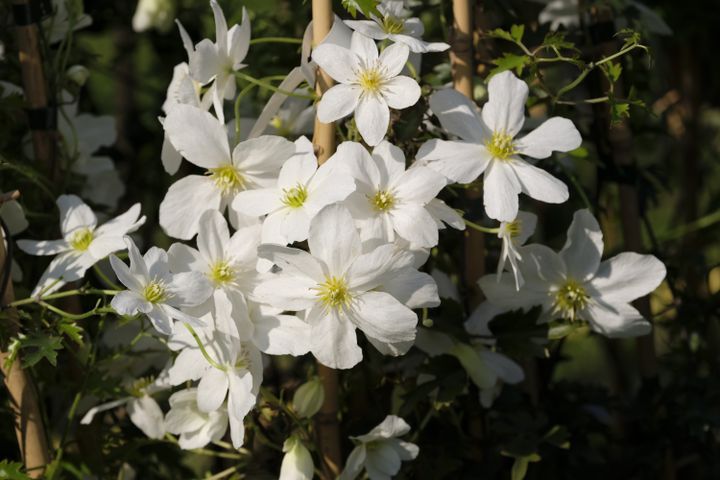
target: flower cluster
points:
(292, 256)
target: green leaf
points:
(557, 40)
(11, 471)
(500, 33)
(37, 347)
(519, 468)
(510, 61)
(613, 71)
(367, 7)
(72, 330)
(517, 32)
(619, 111)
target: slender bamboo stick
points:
(23, 397)
(36, 89)
(461, 60)
(327, 424)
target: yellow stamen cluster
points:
(570, 299)
(393, 25)
(295, 197)
(227, 178)
(501, 146)
(154, 292)
(221, 273)
(514, 228)
(370, 80)
(334, 293)
(382, 201)
(81, 239)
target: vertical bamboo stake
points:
(326, 420)
(23, 399)
(462, 71)
(35, 87)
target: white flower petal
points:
(188, 289)
(205, 61)
(460, 162)
(368, 28)
(628, 276)
(130, 303)
(419, 185)
(364, 47)
(620, 320)
(459, 115)
(257, 202)
(183, 258)
(239, 40)
(501, 189)
(372, 117)
(539, 184)
(556, 134)
(401, 92)
(293, 261)
(185, 202)
(415, 224)
(333, 339)
(287, 292)
(583, 247)
(393, 59)
(66, 267)
(338, 102)
(213, 236)
(198, 136)
(124, 274)
(74, 214)
(340, 63)
(354, 463)
(383, 317)
(212, 390)
(333, 239)
(145, 414)
(505, 109)
(413, 289)
(43, 247)
(281, 334)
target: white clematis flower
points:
(335, 285)
(83, 243)
(235, 375)
(228, 263)
(514, 234)
(155, 291)
(302, 190)
(380, 452)
(369, 85)
(195, 427)
(487, 144)
(390, 200)
(574, 285)
(395, 26)
(220, 59)
(202, 140)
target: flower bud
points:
(309, 398)
(78, 74)
(156, 14)
(297, 463)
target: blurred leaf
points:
(72, 330)
(40, 346)
(510, 61)
(11, 471)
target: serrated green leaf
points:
(72, 330)
(12, 471)
(37, 347)
(613, 71)
(557, 40)
(500, 33)
(367, 7)
(517, 32)
(510, 61)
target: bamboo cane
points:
(326, 420)
(24, 404)
(462, 70)
(36, 89)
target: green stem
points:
(204, 352)
(480, 228)
(268, 86)
(240, 96)
(106, 280)
(412, 70)
(55, 296)
(81, 316)
(297, 41)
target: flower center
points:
(570, 299)
(370, 80)
(221, 273)
(155, 292)
(513, 228)
(382, 201)
(81, 239)
(282, 128)
(501, 145)
(295, 197)
(393, 25)
(227, 178)
(333, 292)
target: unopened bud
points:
(308, 398)
(78, 74)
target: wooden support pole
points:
(36, 90)
(24, 404)
(327, 424)
(461, 60)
